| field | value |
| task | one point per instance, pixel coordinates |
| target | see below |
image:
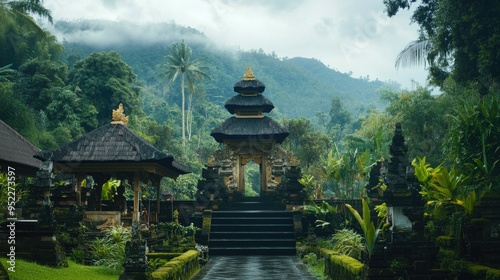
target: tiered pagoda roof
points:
(249, 124)
(240, 102)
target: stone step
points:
(268, 251)
(252, 235)
(251, 220)
(251, 213)
(252, 232)
(225, 242)
(252, 227)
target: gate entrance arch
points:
(247, 136)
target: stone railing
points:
(342, 267)
(181, 267)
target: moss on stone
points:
(445, 241)
(163, 255)
(484, 272)
(340, 266)
(180, 267)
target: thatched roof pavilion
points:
(17, 152)
(113, 150)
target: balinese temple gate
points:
(247, 136)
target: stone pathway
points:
(253, 268)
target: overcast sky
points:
(347, 35)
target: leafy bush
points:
(326, 214)
(154, 264)
(348, 242)
(109, 251)
(310, 259)
(78, 255)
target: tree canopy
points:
(459, 39)
(103, 80)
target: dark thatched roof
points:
(250, 129)
(17, 152)
(249, 86)
(255, 101)
(112, 143)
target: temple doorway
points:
(252, 179)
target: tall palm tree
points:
(179, 63)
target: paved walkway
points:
(254, 268)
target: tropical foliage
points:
(348, 242)
(458, 39)
(370, 231)
(325, 214)
(109, 251)
(448, 194)
(346, 172)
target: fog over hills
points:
(297, 86)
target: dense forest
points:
(308, 82)
(53, 92)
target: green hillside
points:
(297, 86)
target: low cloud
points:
(346, 35)
(104, 33)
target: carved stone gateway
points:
(247, 136)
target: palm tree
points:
(18, 13)
(179, 63)
(15, 20)
(415, 54)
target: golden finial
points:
(248, 76)
(119, 117)
(211, 161)
(294, 162)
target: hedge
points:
(342, 267)
(480, 271)
(181, 267)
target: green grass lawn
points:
(31, 271)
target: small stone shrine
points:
(395, 184)
(136, 261)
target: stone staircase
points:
(252, 228)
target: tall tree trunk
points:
(189, 117)
(183, 115)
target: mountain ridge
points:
(297, 86)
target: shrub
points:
(109, 251)
(348, 242)
(78, 255)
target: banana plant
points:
(109, 188)
(370, 232)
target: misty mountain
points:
(297, 86)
